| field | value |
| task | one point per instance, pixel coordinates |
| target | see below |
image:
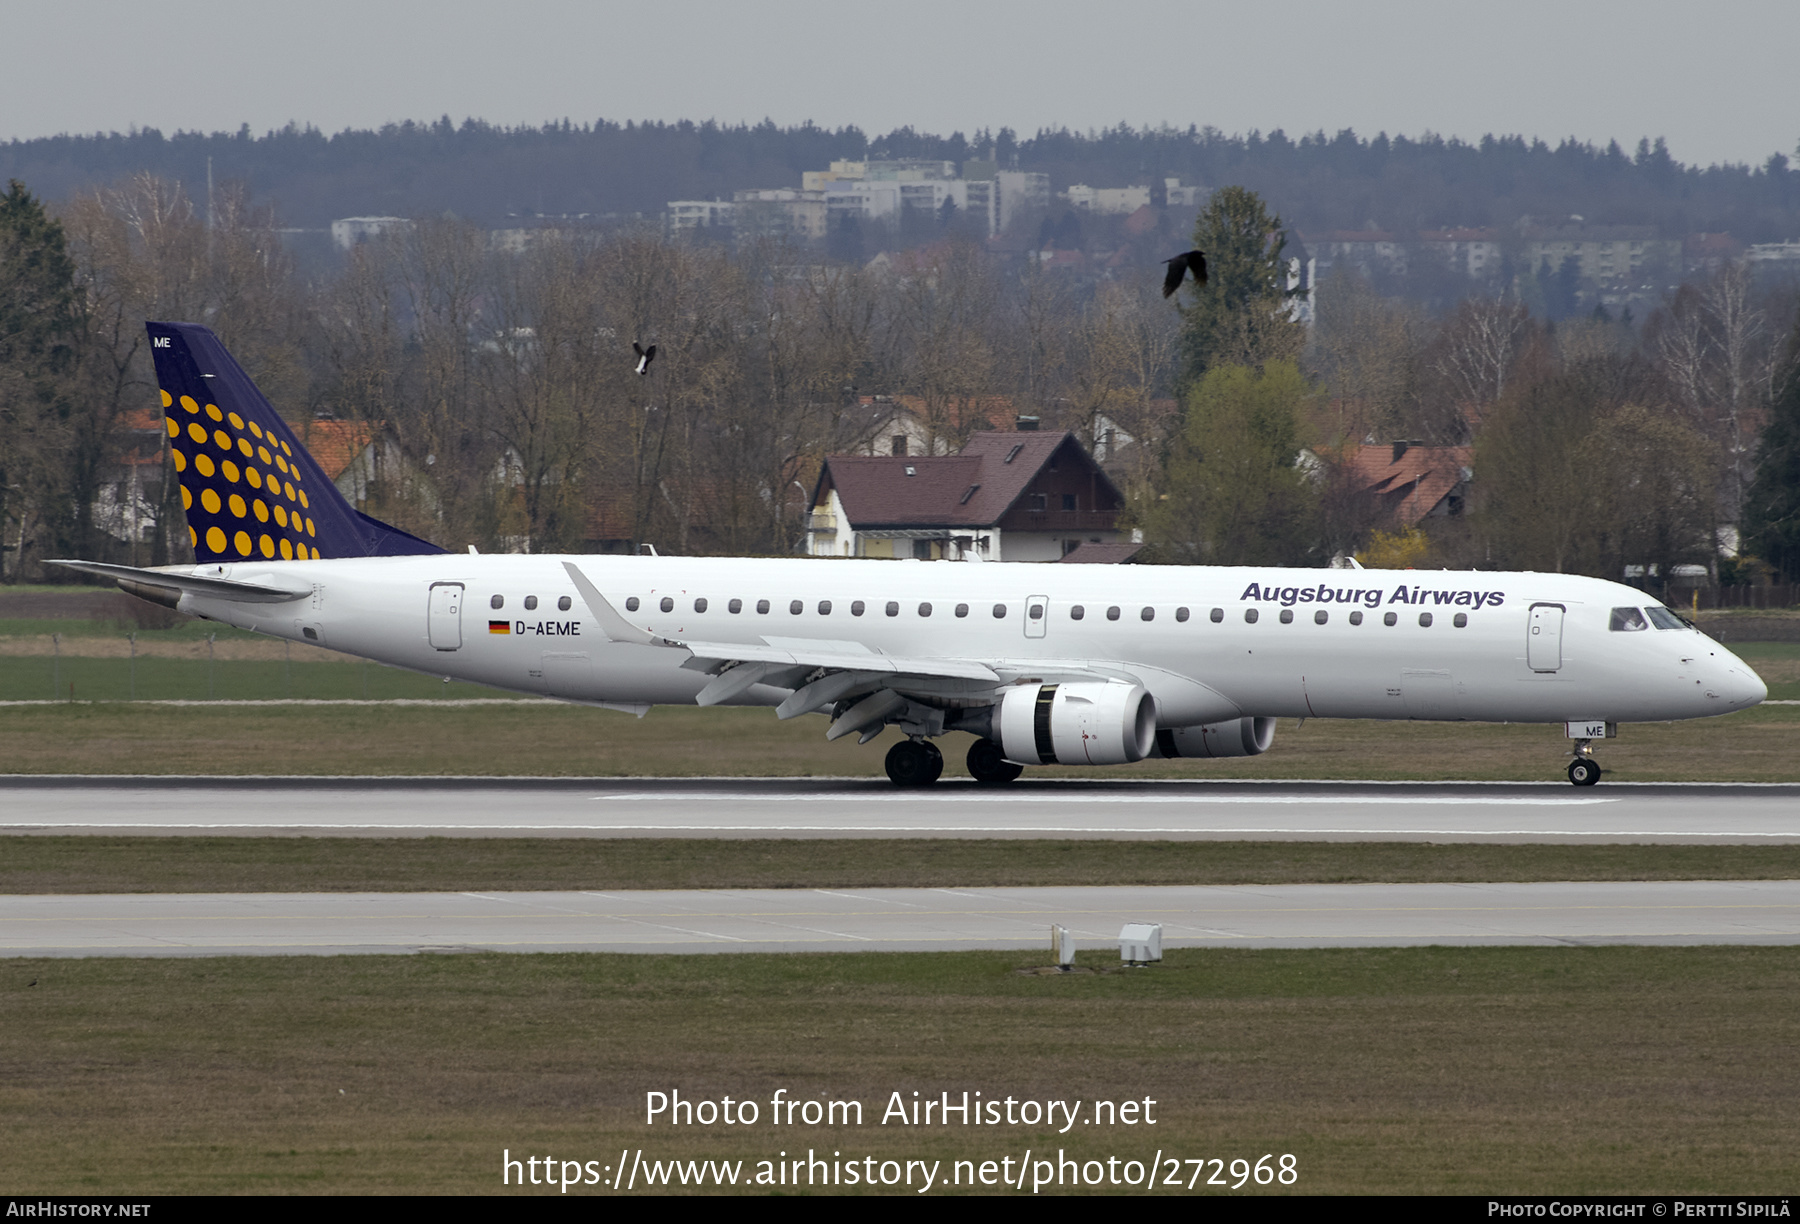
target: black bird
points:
(1178, 268)
(645, 356)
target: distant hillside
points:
(1316, 182)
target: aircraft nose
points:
(1754, 691)
(1739, 684)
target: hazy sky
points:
(1716, 79)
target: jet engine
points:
(1237, 737)
(1101, 723)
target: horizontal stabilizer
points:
(269, 587)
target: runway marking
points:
(1040, 797)
(964, 830)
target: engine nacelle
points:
(1076, 724)
(1238, 737)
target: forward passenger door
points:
(1543, 644)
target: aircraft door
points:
(1037, 615)
(1543, 645)
(444, 617)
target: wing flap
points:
(838, 660)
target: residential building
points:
(1605, 254)
(1404, 483)
(1021, 192)
(1473, 252)
(686, 216)
(346, 232)
(1017, 495)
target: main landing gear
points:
(914, 762)
(917, 762)
(1584, 770)
(988, 767)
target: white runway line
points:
(979, 797)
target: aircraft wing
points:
(820, 672)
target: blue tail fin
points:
(249, 487)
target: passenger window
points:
(1356, 618)
(531, 603)
(762, 607)
(1287, 616)
(735, 606)
(796, 607)
(824, 607)
(700, 604)
(1392, 618)
(1321, 616)
(1148, 614)
(893, 608)
(667, 604)
(1628, 620)
(631, 603)
(1112, 613)
(924, 609)
(1424, 620)
(1250, 615)
(962, 609)
(1461, 621)
(564, 604)
(1035, 611)
(856, 608)
(1077, 612)
(1218, 616)
(999, 611)
(1181, 614)
(498, 601)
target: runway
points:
(901, 919)
(812, 808)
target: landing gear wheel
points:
(1583, 772)
(913, 763)
(988, 767)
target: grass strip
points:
(1756, 745)
(58, 864)
(1609, 1070)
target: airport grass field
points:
(1451, 1070)
(552, 739)
(1426, 1070)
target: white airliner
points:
(1044, 664)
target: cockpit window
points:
(1662, 618)
(1628, 620)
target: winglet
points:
(613, 625)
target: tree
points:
(1235, 495)
(37, 327)
(1365, 348)
(1242, 315)
(1475, 352)
(1772, 508)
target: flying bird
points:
(1178, 268)
(645, 356)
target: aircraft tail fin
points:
(249, 487)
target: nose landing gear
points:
(1584, 770)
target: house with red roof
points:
(1012, 495)
(1405, 482)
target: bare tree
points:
(1477, 350)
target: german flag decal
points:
(499, 626)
